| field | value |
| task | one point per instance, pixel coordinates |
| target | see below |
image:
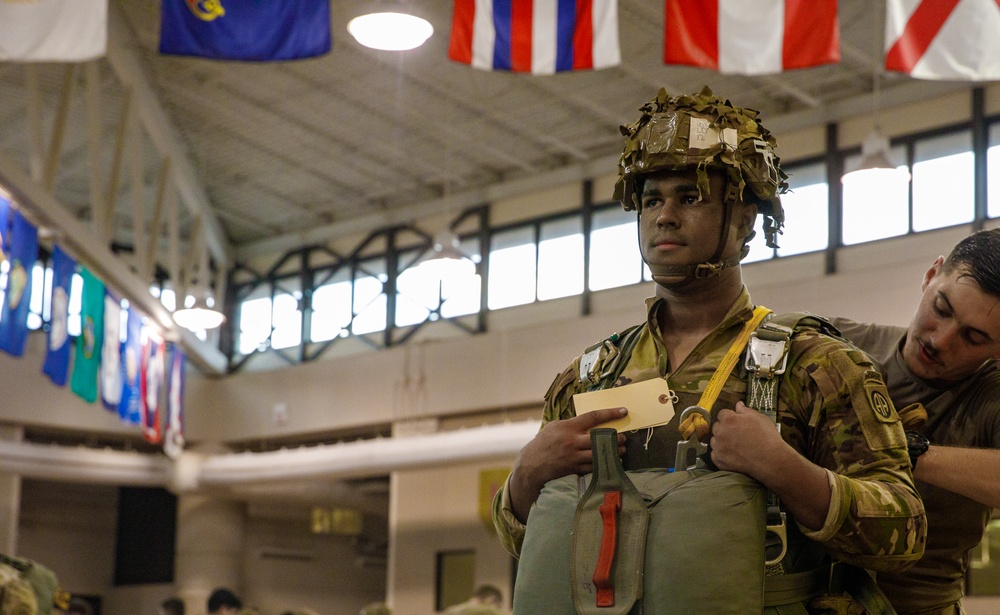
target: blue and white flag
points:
(17, 294)
(56, 364)
(242, 30)
(151, 383)
(130, 406)
(111, 353)
(173, 439)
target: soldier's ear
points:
(748, 217)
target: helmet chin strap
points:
(715, 265)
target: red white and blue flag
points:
(751, 37)
(535, 36)
(943, 39)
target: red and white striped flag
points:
(944, 39)
(535, 36)
(751, 37)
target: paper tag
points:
(649, 404)
(703, 135)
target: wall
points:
(435, 511)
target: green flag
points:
(87, 358)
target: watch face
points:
(917, 443)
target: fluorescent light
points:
(390, 31)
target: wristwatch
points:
(917, 444)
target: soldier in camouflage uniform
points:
(698, 170)
(945, 369)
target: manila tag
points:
(649, 404)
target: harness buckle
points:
(779, 530)
(767, 356)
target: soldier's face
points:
(955, 329)
(677, 226)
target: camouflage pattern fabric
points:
(16, 595)
(965, 415)
(833, 408)
(704, 131)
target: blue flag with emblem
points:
(87, 358)
(260, 31)
(129, 408)
(56, 365)
(17, 293)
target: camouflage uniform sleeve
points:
(558, 406)
(836, 411)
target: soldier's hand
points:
(559, 449)
(744, 440)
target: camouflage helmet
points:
(703, 131)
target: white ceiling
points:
(295, 152)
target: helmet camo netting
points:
(703, 131)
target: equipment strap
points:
(728, 362)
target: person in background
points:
(223, 601)
(172, 606)
(486, 600)
(943, 373)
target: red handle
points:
(602, 574)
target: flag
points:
(56, 363)
(241, 30)
(173, 440)
(22, 254)
(4, 224)
(129, 406)
(751, 37)
(535, 36)
(111, 353)
(53, 30)
(151, 384)
(943, 39)
(87, 358)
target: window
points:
(512, 268)
(331, 310)
(615, 259)
(560, 259)
(943, 182)
(286, 320)
(255, 323)
(993, 173)
(876, 206)
(369, 298)
(807, 211)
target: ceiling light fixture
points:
(390, 31)
(448, 261)
(200, 315)
(876, 160)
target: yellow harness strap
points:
(729, 361)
